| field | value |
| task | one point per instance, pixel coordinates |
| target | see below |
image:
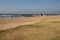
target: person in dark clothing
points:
(41, 14)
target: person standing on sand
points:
(41, 14)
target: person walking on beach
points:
(41, 14)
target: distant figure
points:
(41, 14)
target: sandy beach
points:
(6, 23)
(30, 28)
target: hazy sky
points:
(29, 6)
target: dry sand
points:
(46, 28)
(6, 23)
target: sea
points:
(15, 15)
(21, 15)
(10, 15)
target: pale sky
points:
(29, 6)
